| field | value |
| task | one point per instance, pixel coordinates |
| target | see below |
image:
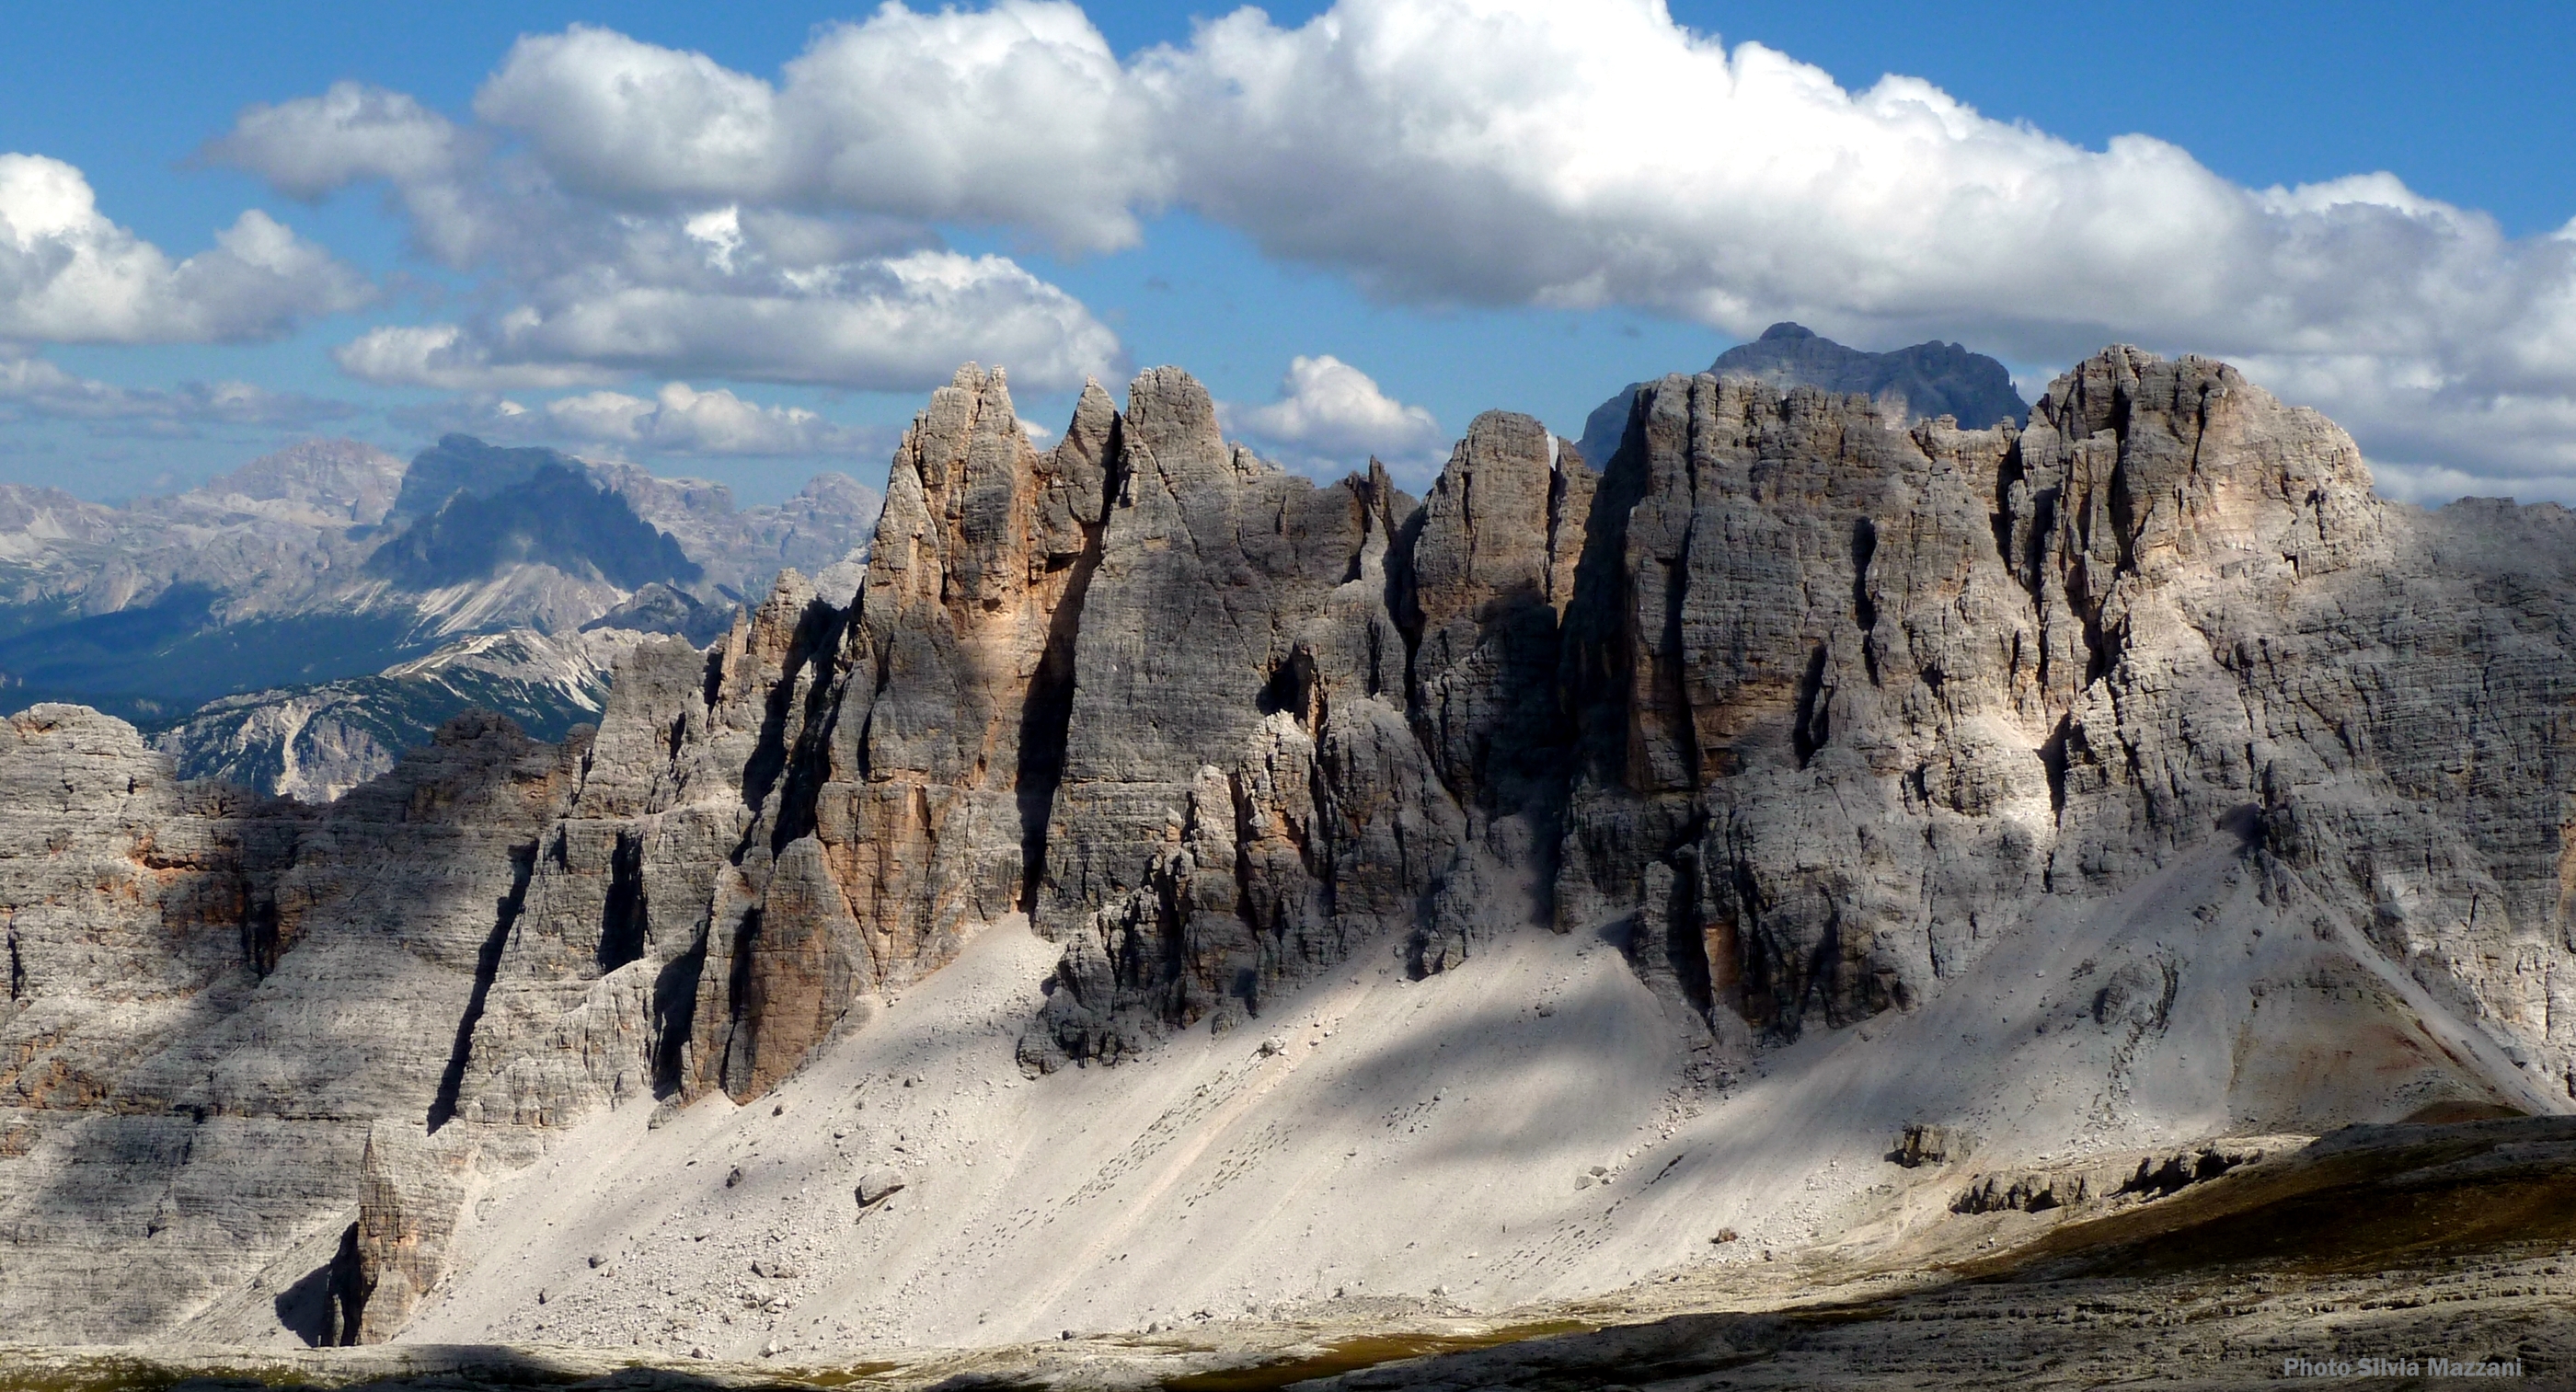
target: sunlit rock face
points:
(1806, 707)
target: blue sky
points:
(1343, 280)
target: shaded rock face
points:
(1806, 708)
(558, 517)
(214, 998)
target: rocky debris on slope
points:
(1930, 1145)
(1803, 709)
(316, 742)
(2236, 1289)
(2103, 1178)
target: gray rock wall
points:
(1806, 708)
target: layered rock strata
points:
(1806, 709)
(213, 1000)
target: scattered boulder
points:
(1930, 1145)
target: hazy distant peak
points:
(1909, 384)
(347, 480)
(463, 464)
(1926, 380)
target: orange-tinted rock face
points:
(919, 736)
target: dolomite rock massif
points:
(1809, 714)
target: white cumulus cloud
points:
(682, 420)
(444, 356)
(1017, 115)
(70, 275)
(353, 131)
(1331, 414)
(1550, 152)
(888, 324)
(588, 287)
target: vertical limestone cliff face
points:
(1850, 700)
(1809, 709)
(918, 744)
(214, 999)
(1491, 577)
(1244, 799)
(1808, 721)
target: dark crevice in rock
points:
(1864, 545)
(2124, 520)
(1292, 689)
(1046, 715)
(349, 1291)
(259, 936)
(1685, 941)
(487, 965)
(711, 686)
(1402, 517)
(734, 1071)
(2043, 521)
(675, 1004)
(1672, 692)
(17, 969)
(1595, 670)
(2052, 757)
(1816, 993)
(798, 761)
(769, 756)
(2008, 472)
(1812, 725)
(623, 918)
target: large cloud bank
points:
(70, 275)
(587, 278)
(1560, 152)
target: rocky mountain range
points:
(1165, 888)
(316, 742)
(269, 591)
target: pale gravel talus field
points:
(1420, 1143)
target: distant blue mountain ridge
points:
(333, 561)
